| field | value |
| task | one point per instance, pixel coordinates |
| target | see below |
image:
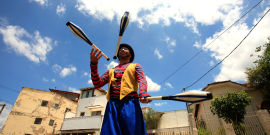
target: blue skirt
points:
(123, 117)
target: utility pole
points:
(3, 106)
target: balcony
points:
(80, 124)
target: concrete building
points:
(256, 121)
(37, 112)
(69, 95)
(89, 115)
(171, 122)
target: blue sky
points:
(37, 50)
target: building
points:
(89, 115)
(69, 95)
(37, 112)
(256, 121)
(171, 122)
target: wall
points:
(98, 93)
(28, 107)
(172, 119)
(70, 96)
(256, 99)
(84, 102)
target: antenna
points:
(67, 87)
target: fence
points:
(253, 125)
(169, 131)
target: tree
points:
(232, 108)
(259, 75)
(151, 118)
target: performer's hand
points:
(94, 56)
(143, 100)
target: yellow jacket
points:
(129, 82)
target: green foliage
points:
(200, 123)
(231, 107)
(151, 118)
(202, 131)
(259, 75)
(201, 127)
(221, 131)
(239, 129)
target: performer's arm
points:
(97, 81)
(142, 81)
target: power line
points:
(9, 88)
(7, 101)
(208, 44)
(231, 51)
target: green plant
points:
(151, 118)
(200, 123)
(259, 75)
(232, 108)
(202, 131)
(221, 131)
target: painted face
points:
(124, 52)
(124, 48)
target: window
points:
(87, 94)
(67, 110)
(56, 106)
(38, 121)
(51, 122)
(44, 103)
(95, 113)
(82, 114)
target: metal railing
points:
(169, 131)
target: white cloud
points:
(152, 86)
(41, 2)
(233, 67)
(200, 89)
(64, 71)
(61, 9)
(55, 43)
(45, 80)
(35, 49)
(53, 80)
(169, 85)
(111, 65)
(68, 71)
(198, 45)
(158, 54)
(74, 90)
(3, 21)
(160, 104)
(85, 73)
(211, 63)
(90, 82)
(4, 114)
(167, 39)
(56, 68)
(160, 11)
(173, 43)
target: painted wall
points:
(172, 119)
(28, 107)
(91, 101)
(69, 96)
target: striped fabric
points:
(118, 72)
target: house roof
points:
(60, 91)
(93, 88)
(228, 81)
